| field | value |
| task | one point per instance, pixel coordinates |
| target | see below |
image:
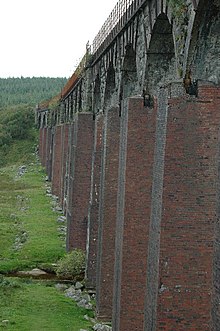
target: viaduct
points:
(132, 148)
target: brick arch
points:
(203, 60)
(160, 68)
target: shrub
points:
(6, 283)
(71, 265)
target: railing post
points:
(120, 15)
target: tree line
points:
(18, 98)
(31, 91)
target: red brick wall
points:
(133, 223)
(44, 147)
(80, 182)
(63, 184)
(93, 217)
(49, 153)
(189, 213)
(70, 175)
(57, 161)
(41, 141)
(108, 210)
(186, 254)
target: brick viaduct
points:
(131, 146)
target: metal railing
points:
(119, 17)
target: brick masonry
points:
(148, 182)
(188, 294)
(64, 160)
(49, 155)
(133, 217)
(93, 214)
(40, 143)
(107, 215)
(80, 181)
(56, 162)
(142, 190)
(44, 146)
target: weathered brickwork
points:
(189, 213)
(81, 182)
(93, 215)
(135, 219)
(44, 146)
(41, 142)
(49, 153)
(57, 164)
(64, 160)
(107, 217)
(132, 150)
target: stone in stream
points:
(34, 272)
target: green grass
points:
(38, 306)
(26, 304)
(25, 208)
(26, 213)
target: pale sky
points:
(47, 37)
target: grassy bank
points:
(29, 305)
(29, 235)
(29, 238)
(27, 220)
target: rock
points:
(102, 327)
(77, 296)
(61, 219)
(61, 287)
(82, 303)
(86, 297)
(97, 327)
(87, 318)
(78, 285)
(70, 292)
(5, 322)
(34, 272)
(22, 170)
(58, 208)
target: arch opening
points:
(109, 87)
(129, 73)
(161, 64)
(204, 52)
(97, 95)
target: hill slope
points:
(18, 98)
(14, 91)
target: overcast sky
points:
(47, 37)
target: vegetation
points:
(18, 98)
(32, 305)
(29, 234)
(72, 264)
(26, 210)
(28, 91)
(178, 7)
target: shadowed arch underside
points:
(160, 67)
(204, 53)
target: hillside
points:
(17, 91)
(18, 98)
(31, 236)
